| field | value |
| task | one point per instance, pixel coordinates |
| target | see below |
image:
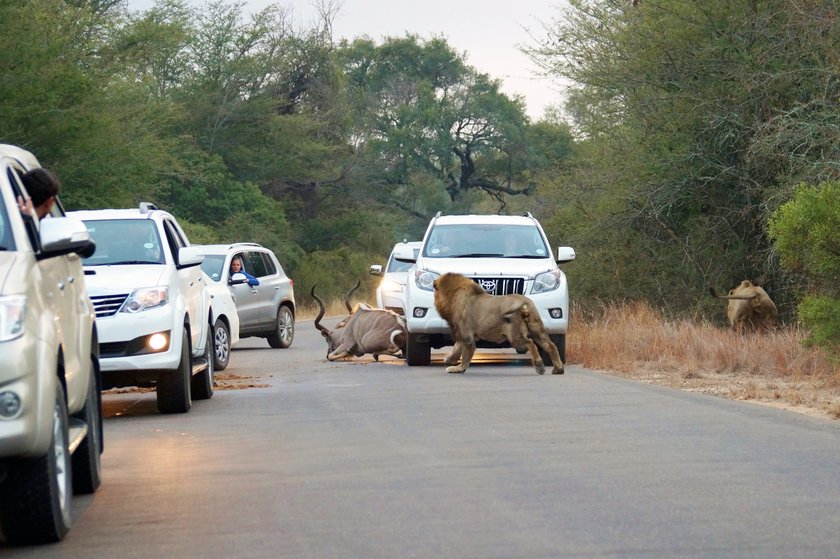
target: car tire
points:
(560, 341)
(202, 383)
(87, 463)
(284, 333)
(173, 387)
(37, 492)
(221, 345)
(417, 353)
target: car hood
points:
(123, 278)
(477, 267)
(396, 277)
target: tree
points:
(688, 107)
(806, 231)
(58, 99)
(421, 111)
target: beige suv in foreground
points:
(50, 404)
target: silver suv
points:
(50, 405)
(266, 310)
(504, 255)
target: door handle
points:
(71, 279)
(61, 286)
(276, 288)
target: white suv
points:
(390, 293)
(504, 255)
(50, 405)
(154, 311)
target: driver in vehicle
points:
(236, 267)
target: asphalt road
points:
(379, 460)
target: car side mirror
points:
(63, 235)
(376, 269)
(405, 254)
(190, 256)
(237, 279)
(565, 254)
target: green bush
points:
(822, 314)
(806, 231)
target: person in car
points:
(236, 267)
(43, 187)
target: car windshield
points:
(474, 240)
(213, 265)
(124, 241)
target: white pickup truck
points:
(155, 307)
(50, 405)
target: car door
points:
(272, 280)
(256, 266)
(78, 326)
(246, 296)
(190, 285)
(61, 292)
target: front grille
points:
(108, 305)
(502, 286)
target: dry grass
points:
(632, 340)
(333, 308)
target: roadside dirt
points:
(791, 395)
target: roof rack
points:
(146, 207)
(247, 244)
(527, 214)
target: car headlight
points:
(390, 286)
(547, 281)
(145, 298)
(12, 317)
(425, 280)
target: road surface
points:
(381, 460)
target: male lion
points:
(474, 314)
(749, 306)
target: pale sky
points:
(487, 30)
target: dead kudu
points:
(366, 330)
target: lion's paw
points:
(454, 370)
(558, 371)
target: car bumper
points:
(122, 341)
(33, 375)
(394, 301)
(423, 302)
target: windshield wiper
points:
(525, 256)
(478, 255)
(121, 262)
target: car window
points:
(485, 240)
(7, 242)
(255, 264)
(213, 266)
(124, 241)
(28, 220)
(174, 239)
(270, 269)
